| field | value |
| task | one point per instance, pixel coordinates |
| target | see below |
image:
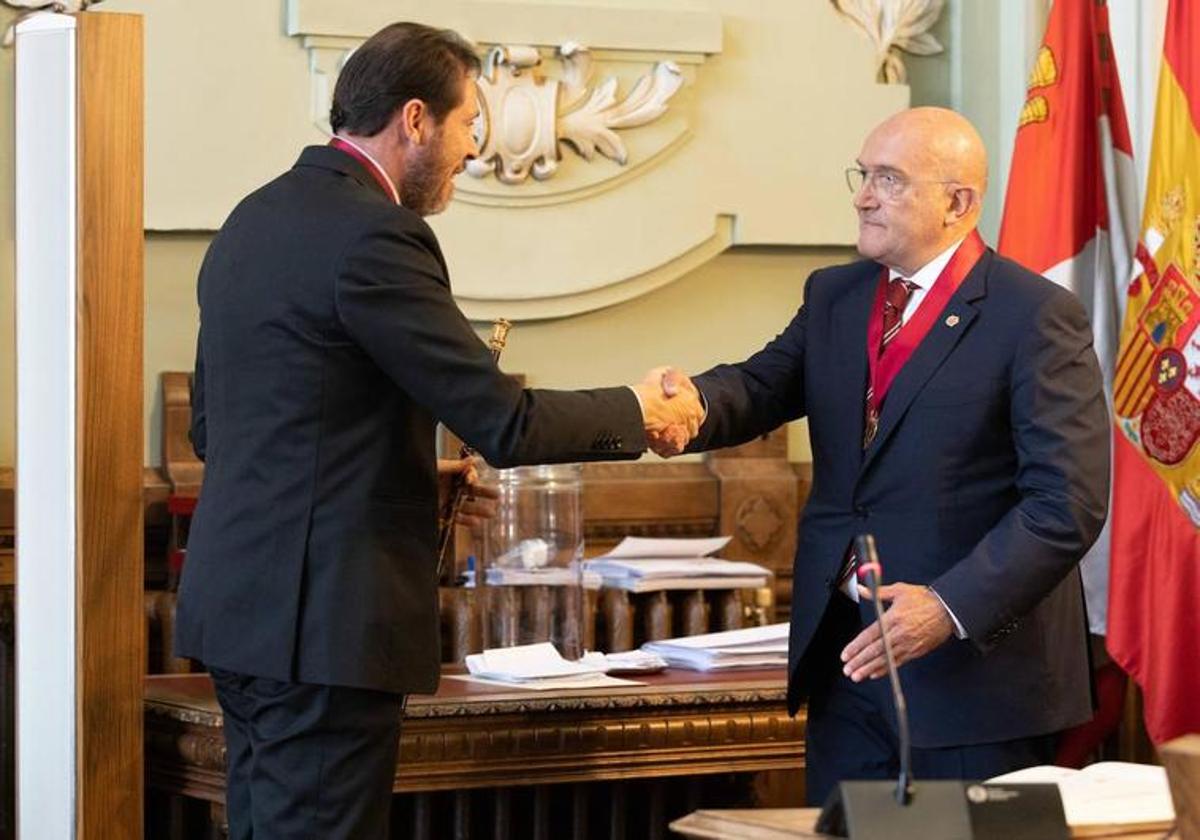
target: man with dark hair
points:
(329, 348)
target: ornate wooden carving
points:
(469, 736)
(183, 469)
(760, 505)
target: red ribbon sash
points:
(885, 367)
(368, 164)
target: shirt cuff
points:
(959, 631)
(637, 397)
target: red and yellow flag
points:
(1154, 595)
(1071, 208)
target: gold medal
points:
(872, 428)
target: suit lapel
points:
(945, 334)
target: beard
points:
(423, 189)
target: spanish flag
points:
(1154, 590)
(1071, 208)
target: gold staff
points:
(458, 489)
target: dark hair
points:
(400, 62)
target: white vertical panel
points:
(46, 498)
(1137, 32)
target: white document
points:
(751, 647)
(635, 548)
(680, 567)
(552, 684)
(525, 662)
(551, 576)
(678, 573)
(776, 634)
(1110, 793)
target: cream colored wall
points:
(723, 311)
(735, 302)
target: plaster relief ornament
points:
(892, 26)
(28, 7)
(525, 116)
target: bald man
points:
(955, 408)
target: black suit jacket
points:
(988, 479)
(329, 348)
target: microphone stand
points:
(458, 487)
(939, 810)
(871, 572)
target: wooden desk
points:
(797, 824)
(757, 824)
(476, 737)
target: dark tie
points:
(896, 298)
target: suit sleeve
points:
(394, 302)
(1061, 434)
(199, 429)
(753, 397)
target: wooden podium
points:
(79, 267)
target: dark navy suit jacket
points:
(330, 346)
(988, 480)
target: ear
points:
(412, 122)
(963, 200)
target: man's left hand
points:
(917, 622)
(479, 504)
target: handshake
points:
(671, 410)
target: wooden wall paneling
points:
(760, 506)
(7, 525)
(1181, 757)
(183, 469)
(109, 606)
(8, 721)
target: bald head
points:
(941, 142)
(937, 173)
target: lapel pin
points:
(952, 321)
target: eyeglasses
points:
(885, 183)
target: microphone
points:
(870, 572)
(937, 810)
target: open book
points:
(1108, 797)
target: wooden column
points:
(81, 631)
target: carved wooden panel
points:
(472, 736)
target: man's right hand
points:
(671, 409)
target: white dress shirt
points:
(923, 278)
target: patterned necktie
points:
(899, 291)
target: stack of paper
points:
(641, 564)
(752, 647)
(539, 667)
(1107, 796)
(547, 576)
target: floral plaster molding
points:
(526, 116)
(894, 26)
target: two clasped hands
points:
(672, 409)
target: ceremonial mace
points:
(458, 488)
